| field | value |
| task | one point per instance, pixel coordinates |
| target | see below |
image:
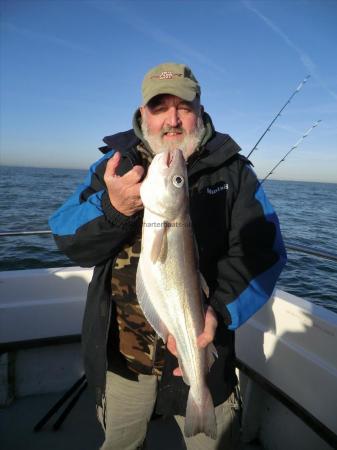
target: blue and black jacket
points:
(241, 254)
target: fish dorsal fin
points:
(203, 282)
(149, 311)
(159, 246)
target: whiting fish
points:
(169, 285)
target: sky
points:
(71, 73)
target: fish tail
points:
(200, 418)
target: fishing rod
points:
(299, 87)
(292, 148)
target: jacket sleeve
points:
(86, 227)
(256, 255)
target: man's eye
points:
(158, 109)
(185, 108)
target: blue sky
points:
(71, 74)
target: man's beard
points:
(187, 145)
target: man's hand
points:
(205, 338)
(123, 190)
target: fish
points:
(169, 285)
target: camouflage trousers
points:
(129, 407)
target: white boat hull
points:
(290, 342)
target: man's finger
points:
(177, 372)
(171, 345)
(134, 175)
(211, 324)
(134, 191)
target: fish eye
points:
(178, 181)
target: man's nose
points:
(173, 118)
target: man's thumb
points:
(112, 164)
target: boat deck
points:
(80, 431)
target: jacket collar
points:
(120, 142)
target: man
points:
(240, 248)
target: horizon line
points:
(86, 169)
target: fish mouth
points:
(169, 158)
(172, 156)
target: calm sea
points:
(307, 212)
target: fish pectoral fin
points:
(159, 246)
(204, 285)
(211, 354)
(148, 309)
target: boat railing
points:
(23, 233)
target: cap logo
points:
(167, 75)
